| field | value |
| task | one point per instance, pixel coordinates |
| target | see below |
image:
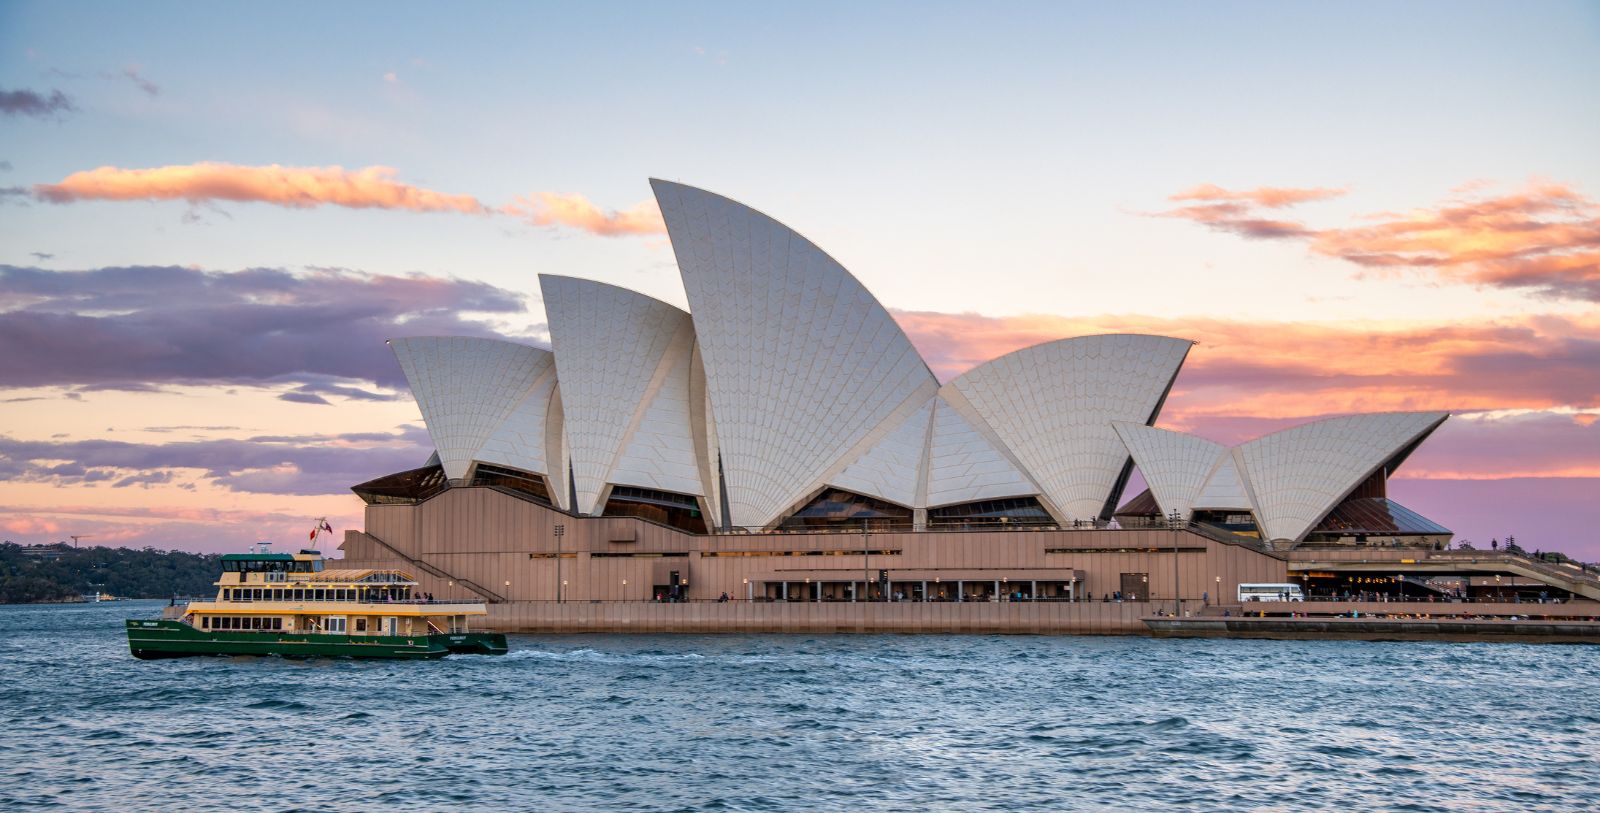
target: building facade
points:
(783, 442)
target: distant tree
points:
(65, 572)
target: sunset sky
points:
(212, 215)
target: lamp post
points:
(1219, 589)
(866, 562)
(560, 531)
(1177, 603)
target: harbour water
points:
(735, 723)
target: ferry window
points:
(255, 595)
(205, 622)
(361, 625)
(299, 594)
(320, 594)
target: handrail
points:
(493, 597)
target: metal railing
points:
(325, 600)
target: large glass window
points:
(991, 514)
(679, 511)
(520, 483)
(406, 487)
(837, 509)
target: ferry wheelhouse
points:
(292, 604)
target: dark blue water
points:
(790, 723)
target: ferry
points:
(292, 605)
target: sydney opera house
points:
(780, 455)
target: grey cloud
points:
(304, 398)
(34, 103)
(299, 465)
(140, 327)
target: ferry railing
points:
(398, 601)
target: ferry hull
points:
(153, 639)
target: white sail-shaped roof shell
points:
(966, 465)
(1052, 406)
(522, 441)
(625, 390)
(1175, 465)
(466, 388)
(891, 467)
(1224, 488)
(801, 362)
(1298, 475)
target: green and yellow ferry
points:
(291, 605)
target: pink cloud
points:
(577, 211)
(1272, 197)
(1544, 238)
(292, 187)
(310, 187)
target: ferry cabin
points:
(284, 592)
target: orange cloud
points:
(293, 187)
(578, 212)
(1544, 238)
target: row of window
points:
(314, 594)
(246, 622)
(332, 623)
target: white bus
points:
(1270, 592)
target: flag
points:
(313, 536)
(327, 527)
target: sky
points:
(212, 215)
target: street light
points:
(1177, 603)
(560, 531)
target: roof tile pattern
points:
(963, 466)
(801, 361)
(888, 470)
(1052, 405)
(1175, 465)
(520, 441)
(612, 342)
(660, 453)
(1299, 474)
(1224, 489)
(466, 388)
